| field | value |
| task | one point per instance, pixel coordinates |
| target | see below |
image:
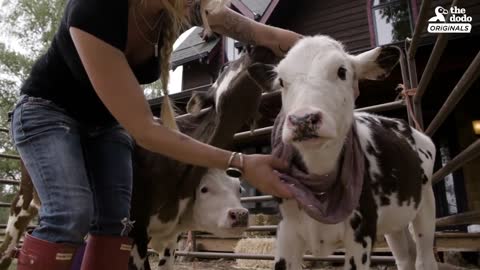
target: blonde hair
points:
(175, 19)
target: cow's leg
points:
(167, 259)
(424, 231)
(360, 233)
(357, 253)
(23, 209)
(290, 246)
(139, 255)
(399, 243)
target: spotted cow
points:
(319, 83)
(168, 196)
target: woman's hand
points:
(259, 171)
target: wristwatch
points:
(233, 171)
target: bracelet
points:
(232, 171)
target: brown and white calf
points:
(170, 197)
(319, 83)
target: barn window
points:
(392, 20)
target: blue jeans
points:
(83, 174)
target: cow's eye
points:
(342, 73)
(281, 82)
(204, 190)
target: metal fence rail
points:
(219, 255)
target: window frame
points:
(413, 12)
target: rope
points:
(407, 94)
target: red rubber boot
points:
(37, 254)
(107, 252)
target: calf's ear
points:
(198, 101)
(263, 75)
(376, 64)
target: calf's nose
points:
(238, 217)
(305, 119)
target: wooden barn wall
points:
(345, 20)
(196, 74)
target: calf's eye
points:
(204, 190)
(342, 73)
(281, 82)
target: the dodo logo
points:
(454, 20)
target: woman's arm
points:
(117, 87)
(228, 22)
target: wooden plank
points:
(472, 217)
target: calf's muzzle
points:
(238, 217)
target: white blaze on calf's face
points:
(319, 83)
(217, 208)
(318, 79)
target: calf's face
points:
(217, 208)
(319, 83)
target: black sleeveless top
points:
(59, 75)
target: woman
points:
(83, 96)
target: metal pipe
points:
(419, 27)
(9, 156)
(250, 134)
(383, 107)
(468, 78)
(217, 255)
(404, 69)
(376, 108)
(4, 205)
(9, 182)
(262, 228)
(257, 199)
(412, 72)
(461, 159)
(432, 64)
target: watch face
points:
(234, 172)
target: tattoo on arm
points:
(238, 27)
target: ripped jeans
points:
(83, 175)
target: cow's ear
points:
(376, 64)
(263, 75)
(198, 101)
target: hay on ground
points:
(263, 246)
